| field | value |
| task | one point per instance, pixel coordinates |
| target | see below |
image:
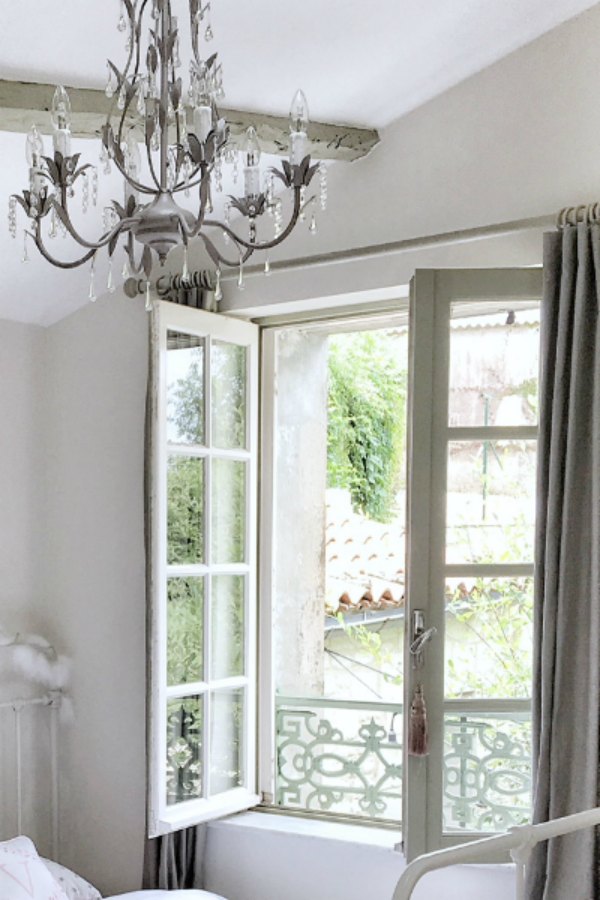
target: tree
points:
(367, 400)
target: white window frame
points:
(428, 433)
(431, 295)
(162, 818)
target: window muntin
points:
(203, 704)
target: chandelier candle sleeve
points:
(185, 148)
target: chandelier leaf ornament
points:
(185, 145)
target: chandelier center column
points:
(164, 93)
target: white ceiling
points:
(359, 63)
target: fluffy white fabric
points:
(23, 875)
(168, 895)
(74, 886)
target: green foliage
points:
(185, 623)
(500, 613)
(185, 510)
(186, 402)
(367, 399)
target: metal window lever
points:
(420, 638)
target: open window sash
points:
(444, 795)
(201, 489)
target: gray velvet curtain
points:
(566, 705)
(175, 861)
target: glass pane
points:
(185, 612)
(227, 626)
(228, 379)
(487, 771)
(491, 501)
(489, 637)
(228, 511)
(185, 510)
(184, 749)
(494, 367)
(185, 388)
(226, 745)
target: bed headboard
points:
(31, 701)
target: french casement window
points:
(203, 583)
(397, 498)
(362, 551)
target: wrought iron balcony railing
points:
(344, 758)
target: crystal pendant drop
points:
(208, 34)
(122, 98)
(302, 202)
(94, 186)
(110, 284)
(240, 283)
(323, 186)
(313, 224)
(52, 231)
(92, 292)
(126, 271)
(218, 288)
(12, 217)
(25, 257)
(155, 142)
(267, 266)
(109, 89)
(148, 304)
(85, 192)
(122, 23)
(141, 100)
(185, 272)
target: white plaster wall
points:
(517, 140)
(93, 387)
(253, 860)
(22, 439)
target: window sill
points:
(313, 828)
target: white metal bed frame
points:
(519, 842)
(51, 700)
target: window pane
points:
(491, 501)
(487, 771)
(228, 377)
(185, 388)
(184, 749)
(494, 367)
(228, 511)
(185, 510)
(226, 747)
(185, 613)
(489, 623)
(227, 626)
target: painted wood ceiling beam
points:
(23, 104)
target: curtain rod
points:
(570, 215)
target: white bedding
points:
(167, 895)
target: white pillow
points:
(23, 875)
(75, 887)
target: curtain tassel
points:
(418, 736)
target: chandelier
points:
(186, 147)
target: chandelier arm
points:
(57, 262)
(136, 34)
(218, 258)
(122, 225)
(264, 245)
